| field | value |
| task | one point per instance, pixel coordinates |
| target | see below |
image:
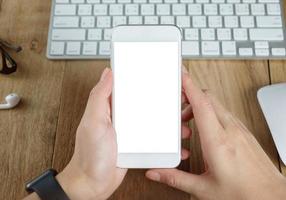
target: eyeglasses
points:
(7, 64)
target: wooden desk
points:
(40, 132)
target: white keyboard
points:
(249, 29)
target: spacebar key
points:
(68, 34)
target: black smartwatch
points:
(47, 187)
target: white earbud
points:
(12, 101)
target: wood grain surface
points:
(27, 133)
(40, 132)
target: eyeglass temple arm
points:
(10, 46)
(8, 57)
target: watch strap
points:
(47, 187)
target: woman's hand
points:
(92, 171)
(236, 165)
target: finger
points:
(184, 98)
(98, 105)
(185, 154)
(187, 113)
(204, 114)
(186, 131)
(181, 180)
(224, 116)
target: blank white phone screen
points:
(146, 96)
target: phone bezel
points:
(149, 33)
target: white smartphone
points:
(146, 98)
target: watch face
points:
(33, 183)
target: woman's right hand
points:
(236, 165)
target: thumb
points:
(98, 105)
(181, 180)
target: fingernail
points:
(153, 175)
(104, 73)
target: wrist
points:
(274, 189)
(77, 185)
(73, 185)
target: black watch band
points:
(47, 186)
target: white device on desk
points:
(272, 100)
(12, 100)
(146, 99)
(231, 29)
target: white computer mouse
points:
(272, 100)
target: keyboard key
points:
(135, 20)
(191, 34)
(66, 22)
(210, 48)
(273, 9)
(107, 34)
(195, 9)
(89, 48)
(183, 21)
(257, 9)
(231, 21)
(278, 51)
(57, 48)
(215, 21)
(62, 1)
(65, 9)
(179, 9)
(94, 34)
(240, 34)
(199, 21)
(167, 20)
(124, 1)
(226, 9)
(262, 52)
(261, 45)
(245, 51)
(190, 48)
(139, 1)
(163, 9)
(104, 48)
(269, 21)
(147, 9)
(210, 9)
(68, 34)
(87, 22)
(103, 22)
(131, 9)
(270, 34)
(73, 48)
(119, 20)
(208, 34)
(171, 1)
(77, 1)
(93, 1)
(84, 9)
(224, 34)
(151, 20)
(247, 21)
(242, 9)
(116, 9)
(229, 48)
(187, 1)
(155, 1)
(108, 1)
(100, 9)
